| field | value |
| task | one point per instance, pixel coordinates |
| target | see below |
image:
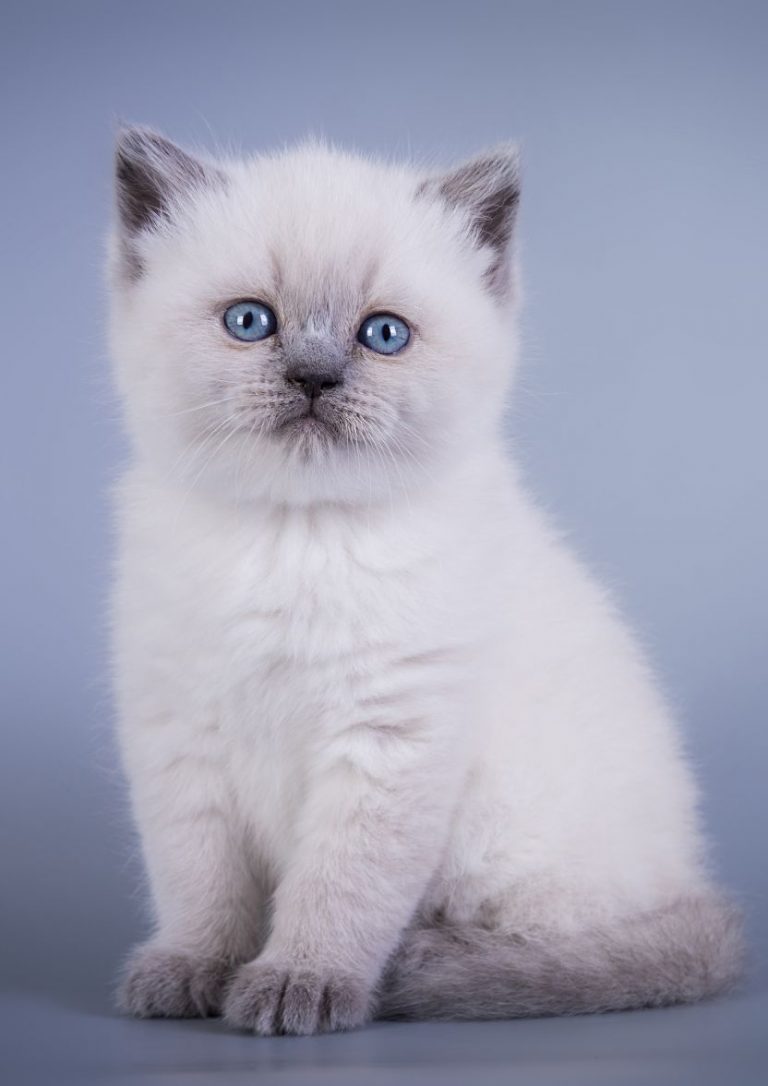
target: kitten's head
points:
(310, 325)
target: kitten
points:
(392, 752)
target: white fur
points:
(354, 682)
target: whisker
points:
(192, 410)
(197, 445)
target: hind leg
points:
(681, 953)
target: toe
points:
(253, 998)
(300, 1006)
(346, 1004)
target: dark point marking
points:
(487, 189)
(152, 175)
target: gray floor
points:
(45, 1041)
(719, 1043)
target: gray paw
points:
(161, 983)
(270, 998)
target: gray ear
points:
(487, 189)
(152, 176)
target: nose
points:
(313, 382)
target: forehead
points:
(320, 230)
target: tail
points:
(688, 951)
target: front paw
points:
(160, 983)
(269, 998)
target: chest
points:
(281, 618)
(284, 630)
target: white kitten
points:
(391, 751)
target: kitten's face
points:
(331, 261)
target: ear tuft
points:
(487, 189)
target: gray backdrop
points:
(640, 417)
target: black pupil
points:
(386, 333)
(248, 319)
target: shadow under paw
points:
(161, 983)
(273, 999)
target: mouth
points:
(306, 427)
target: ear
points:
(487, 190)
(152, 177)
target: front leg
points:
(204, 895)
(371, 833)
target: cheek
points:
(409, 388)
(252, 372)
(204, 364)
(469, 353)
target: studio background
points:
(640, 417)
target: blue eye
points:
(384, 333)
(250, 321)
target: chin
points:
(307, 466)
(308, 438)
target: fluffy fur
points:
(391, 750)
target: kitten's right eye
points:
(250, 321)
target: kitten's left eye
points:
(384, 333)
(250, 321)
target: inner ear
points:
(153, 176)
(487, 190)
